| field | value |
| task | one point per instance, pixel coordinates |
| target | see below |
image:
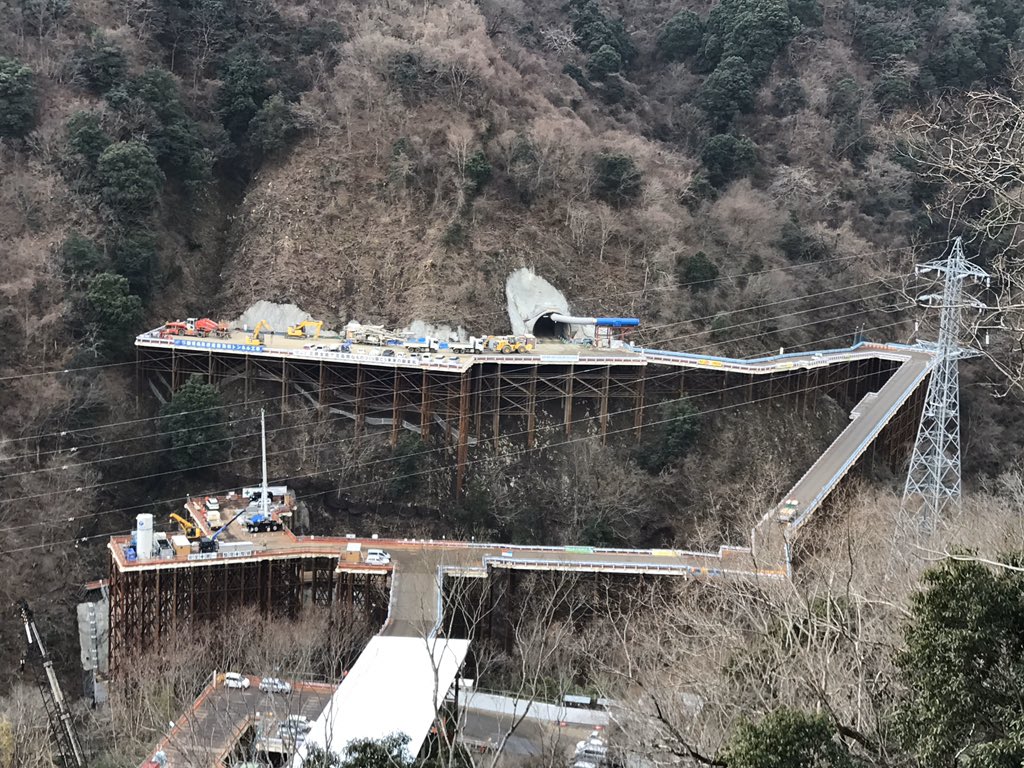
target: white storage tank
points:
(144, 536)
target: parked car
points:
(298, 722)
(788, 510)
(274, 685)
(377, 557)
(235, 680)
(294, 727)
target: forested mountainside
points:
(742, 175)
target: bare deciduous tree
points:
(973, 146)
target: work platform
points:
(472, 395)
(471, 398)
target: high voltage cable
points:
(149, 436)
(502, 456)
(429, 451)
(721, 278)
(489, 390)
(772, 304)
(788, 314)
(339, 441)
(64, 433)
(343, 416)
(770, 270)
(314, 474)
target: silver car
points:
(274, 685)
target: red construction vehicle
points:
(202, 326)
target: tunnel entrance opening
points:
(546, 328)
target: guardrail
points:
(679, 569)
(833, 353)
(637, 356)
(799, 520)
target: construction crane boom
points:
(57, 710)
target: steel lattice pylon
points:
(933, 478)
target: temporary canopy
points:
(396, 686)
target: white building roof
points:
(396, 686)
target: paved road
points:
(205, 734)
(531, 738)
(868, 419)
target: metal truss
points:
(934, 476)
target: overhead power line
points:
(502, 456)
(111, 425)
(721, 278)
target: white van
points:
(377, 557)
(235, 680)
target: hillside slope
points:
(722, 170)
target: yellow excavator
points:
(256, 339)
(190, 529)
(299, 331)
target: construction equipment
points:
(258, 518)
(57, 711)
(189, 528)
(202, 326)
(508, 344)
(195, 534)
(422, 344)
(299, 330)
(371, 334)
(256, 339)
(474, 346)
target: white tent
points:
(396, 686)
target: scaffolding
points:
(148, 604)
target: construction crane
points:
(256, 339)
(299, 330)
(61, 722)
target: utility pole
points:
(933, 478)
(61, 723)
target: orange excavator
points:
(202, 326)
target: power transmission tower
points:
(933, 478)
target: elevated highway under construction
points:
(472, 398)
(468, 398)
